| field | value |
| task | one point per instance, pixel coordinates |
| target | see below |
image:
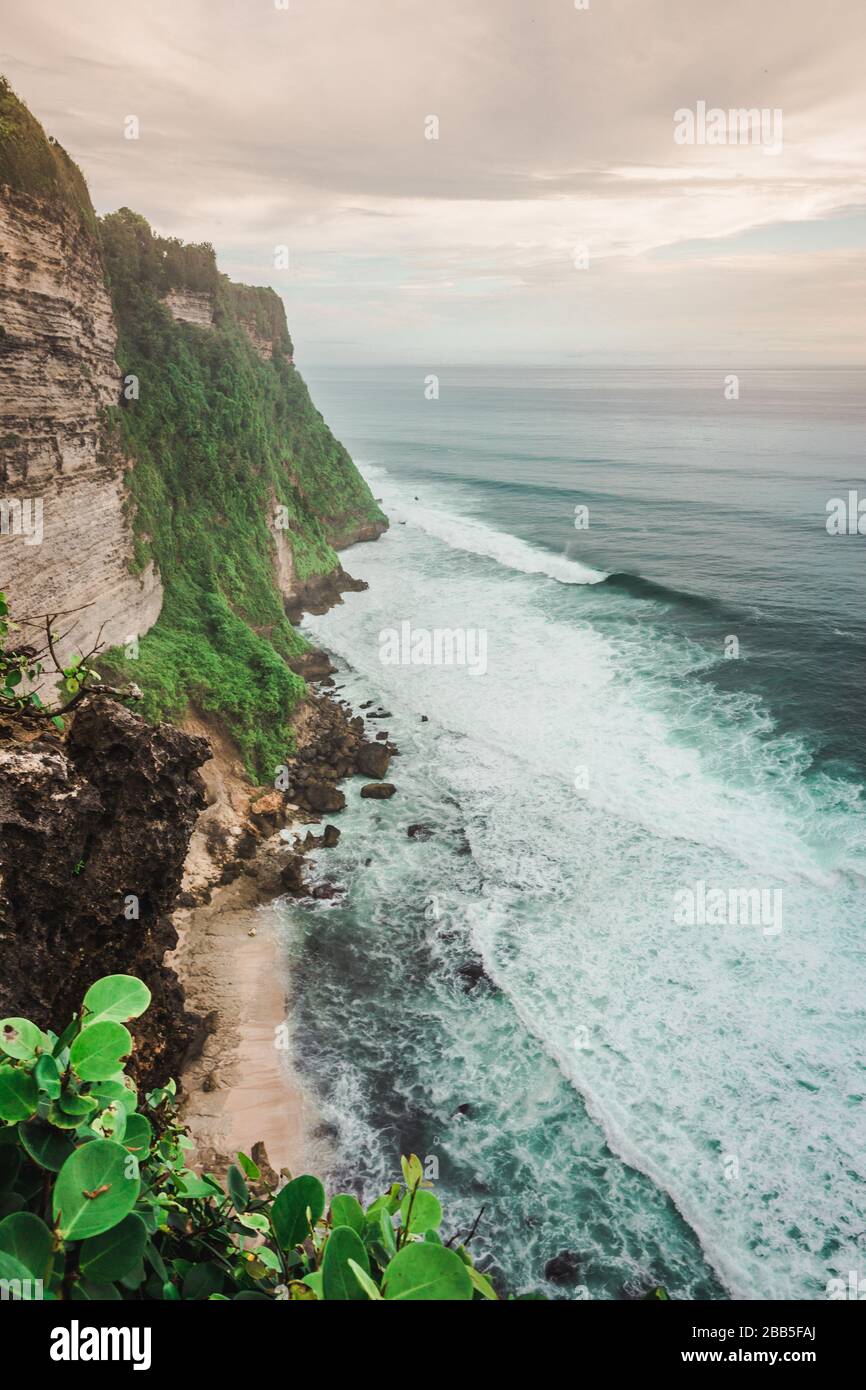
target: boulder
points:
(421, 831)
(324, 797)
(271, 804)
(372, 760)
(563, 1269)
(378, 791)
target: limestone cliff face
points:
(58, 374)
(186, 306)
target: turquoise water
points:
(678, 1103)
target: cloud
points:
(306, 126)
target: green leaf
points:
(116, 999)
(113, 1254)
(85, 1292)
(346, 1210)
(19, 1095)
(338, 1278)
(139, 1136)
(22, 1039)
(12, 1269)
(365, 1281)
(76, 1105)
(314, 1282)
(47, 1077)
(251, 1170)
(413, 1172)
(482, 1284)
(269, 1258)
(192, 1186)
(110, 1123)
(426, 1213)
(44, 1145)
(254, 1222)
(289, 1211)
(98, 1051)
(238, 1190)
(96, 1188)
(203, 1280)
(116, 1091)
(427, 1272)
(28, 1240)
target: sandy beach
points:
(242, 1088)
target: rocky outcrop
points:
(58, 450)
(188, 306)
(331, 745)
(93, 836)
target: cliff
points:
(192, 499)
(58, 379)
(191, 495)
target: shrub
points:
(97, 1201)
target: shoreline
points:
(241, 1089)
(238, 1087)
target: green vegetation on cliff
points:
(32, 162)
(224, 440)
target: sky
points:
(557, 218)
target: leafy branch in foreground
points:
(25, 658)
(97, 1201)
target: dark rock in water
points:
(464, 1109)
(324, 797)
(292, 876)
(421, 831)
(368, 704)
(424, 719)
(563, 1269)
(325, 891)
(372, 760)
(331, 837)
(472, 973)
(383, 734)
(378, 791)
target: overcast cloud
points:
(261, 126)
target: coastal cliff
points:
(193, 499)
(58, 380)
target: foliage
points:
(97, 1201)
(220, 438)
(31, 163)
(22, 664)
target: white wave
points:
(464, 533)
(706, 1045)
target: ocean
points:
(554, 997)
